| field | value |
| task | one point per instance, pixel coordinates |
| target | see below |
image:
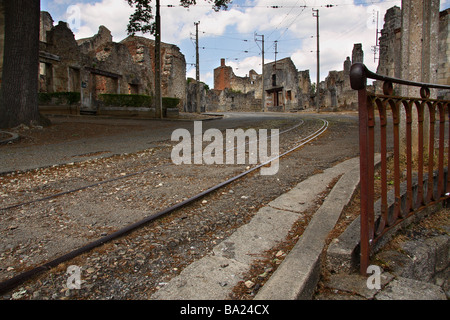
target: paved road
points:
(137, 135)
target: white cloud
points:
(340, 28)
(113, 14)
(177, 23)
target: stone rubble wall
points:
(97, 65)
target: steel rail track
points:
(15, 281)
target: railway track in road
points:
(124, 179)
(118, 178)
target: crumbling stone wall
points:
(419, 48)
(91, 44)
(415, 44)
(191, 96)
(290, 91)
(173, 65)
(281, 84)
(224, 78)
(230, 100)
(357, 53)
(305, 94)
(97, 65)
(60, 59)
(443, 76)
(390, 44)
(46, 24)
(335, 93)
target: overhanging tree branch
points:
(142, 20)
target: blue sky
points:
(288, 27)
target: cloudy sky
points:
(288, 26)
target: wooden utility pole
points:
(262, 75)
(198, 109)
(276, 48)
(158, 97)
(316, 14)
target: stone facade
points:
(191, 96)
(224, 78)
(305, 94)
(420, 28)
(414, 47)
(335, 93)
(443, 76)
(281, 85)
(173, 64)
(390, 43)
(285, 88)
(415, 44)
(60, 59)
(97, 65)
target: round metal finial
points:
(358, 78)
(425, 92)
(388, 88)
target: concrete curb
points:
(298, 275)
(214, 276)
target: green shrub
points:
(126, 100)
(59, 97)
(44, 98)
(168, 102)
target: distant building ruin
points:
(285, 88)
(281, 86)
(97, 65)
(224, 78)
(335, 93)
(416, 49)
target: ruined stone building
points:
(335, 93)
(305, 89)
(230, 92)
(285, 88)
(443, 76)
(390, 43)
(224, 78)
(97, 65)
(281, 86)
(416, 49)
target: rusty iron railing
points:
(412, 189)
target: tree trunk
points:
(19, 87)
